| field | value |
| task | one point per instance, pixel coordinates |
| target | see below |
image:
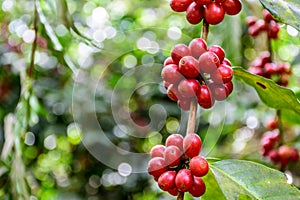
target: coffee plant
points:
(178, 99)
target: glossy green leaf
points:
(269, 92)
(239, 179)
(213, 190)
(286, 11)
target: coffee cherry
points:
(295, 155)
(273, 30)
(194, 13)
(226, 62)
(157, 151)
(272, 124)
(171, 74)
(180, 5)
(251, 20)
(198, 188)
(254, 30)
(166, 181)
(229, 87)
(192, 145)
(197, 47)
(270, 69)
(203, 2)
(156, 166)
(166, 84)
(219, 51)
(189, 88)
(175, 140)
(189, 67)
(274, 156)
(218, 91)
(285, 152)
(173, 93)
(184, 180)
(168, 61)
(184, 104)
(232, 7)
(173, 191)
(205, 98)
(267, 16)
(223, 74)
(179, 51)
(208, 62)
(199, 166)
(214, 13)
(172, 156)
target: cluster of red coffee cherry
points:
(263, 66)
(283, 154)
(196, 72)
(268, 24)
(213, 11)
(178, 167)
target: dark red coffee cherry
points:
(189, 67)
(205, 98)
(199, 166)
(173, 93)
(189, 88)
(180, 5)
(172, 156)
(273, 30)
(232, 7)
(203, 2)
(197, 47)
(171, 74)
(229, 87)
(166, 181)
(198, 188)
(226, 62)
(194, 13)
(184, 180)
(218, 91)
(157, 151)
(223, 74)
(219, 51)
(179, 51)
(173, 191)
(192, 145)
(208, 62)
(157, 166)
(267, 16)
(214, 13)
(175, 140)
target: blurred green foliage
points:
(108, 41)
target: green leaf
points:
(213, 190)
(269, 92)
(286, 11)
(239, 179)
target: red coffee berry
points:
(173, 191)
(189, 67)
(172, 156)
(219, 51)
(166, 181)
(171, 74)
(214, 13)
(168, 61)
(166, 84)
(203, 2)
(180, 5)
(179, 51)
(273, 30)
(285, 152)
(295, 155)
(226, 62)
(265, 57)
(197, 47)
(251, 20)
(194, 13)
(192, 145)
(254, 30)
(184, 104)
(157, 166)
(267, 16)
(199, 166)
(205, 98)
(229, 87)
(157, 151)
(232, 7)
(173, 93)
(189, 88)
(198, 188)
(175, 140)
(272, 124)
(184, 180)
(208, 62)
(270, 69)
(223, 74)
(274, 156)
(218, 91)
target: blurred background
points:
(98, 104)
